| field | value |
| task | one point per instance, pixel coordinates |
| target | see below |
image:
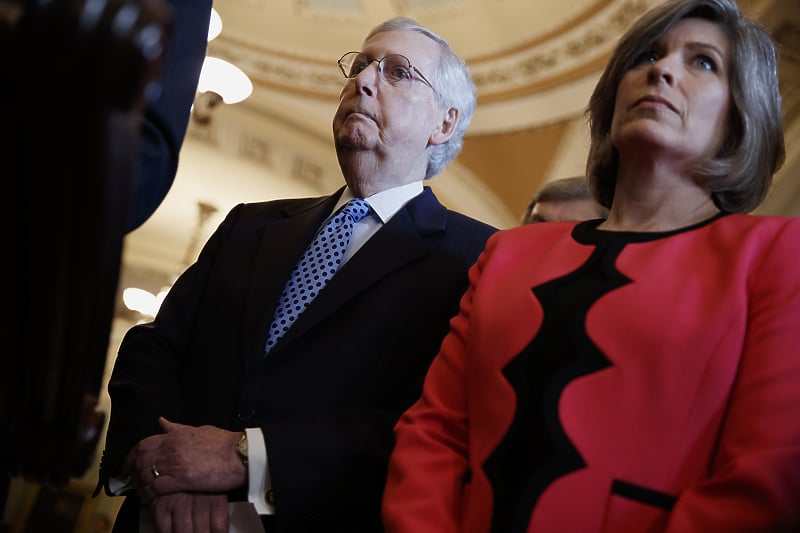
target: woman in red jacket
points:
(639, 373)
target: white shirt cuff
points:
(258, 474)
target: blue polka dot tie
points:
(319, 263)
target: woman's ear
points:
(446, 129)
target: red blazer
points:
(688, 421)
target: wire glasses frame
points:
(393, 68)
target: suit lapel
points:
(281, 244)
(398, 243)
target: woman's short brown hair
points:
(740, 175)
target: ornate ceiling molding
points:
(571, 52)
(567, 52)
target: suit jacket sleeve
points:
(147, 378)
(429, 465)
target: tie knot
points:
(357, 208)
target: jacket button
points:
(245, 413)
(270, 497)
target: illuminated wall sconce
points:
(225, 79)
(142, 301)
(220, 81)
(214, 26)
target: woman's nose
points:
(662, 70)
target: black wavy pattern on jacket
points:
(536, 450)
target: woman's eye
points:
(646, 57)
(706, 63)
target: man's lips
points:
(360, 114)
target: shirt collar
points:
(386, 203)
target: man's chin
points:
(354, 141)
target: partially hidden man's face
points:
(390, 121)
(565, 211)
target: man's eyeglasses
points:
(394, 68)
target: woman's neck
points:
(653, 200)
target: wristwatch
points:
(241, 448)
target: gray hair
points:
(453, 87)
(740, 175)
(562, 190)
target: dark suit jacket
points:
(329, 393)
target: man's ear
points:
(446, 129)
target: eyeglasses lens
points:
(394, 68)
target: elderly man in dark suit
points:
(227, 395)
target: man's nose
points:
(367, 79)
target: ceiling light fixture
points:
(220, 81)
(225, 79)
(144, 302)
(215, 25)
